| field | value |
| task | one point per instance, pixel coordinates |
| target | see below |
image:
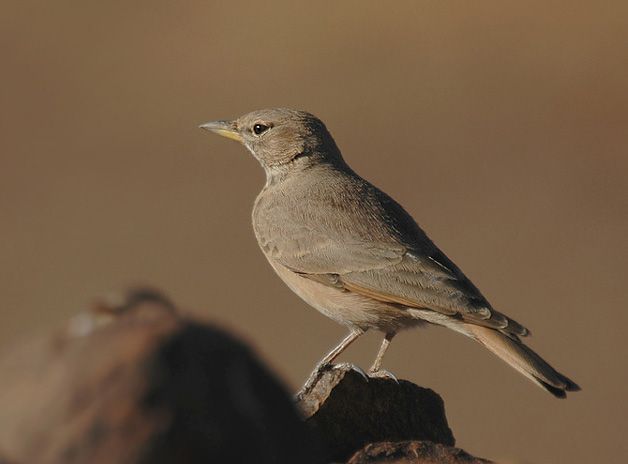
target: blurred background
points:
(500, 126)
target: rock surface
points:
(413, 452)
(135, 383)
(348, 412)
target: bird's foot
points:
(311, 380)
(322, 367)
(383, 374)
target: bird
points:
(353, 253)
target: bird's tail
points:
(523, 359)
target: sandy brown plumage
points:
(355, 254)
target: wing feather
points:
(376, 250)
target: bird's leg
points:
(325, 363)
(382, 350)
(343, 345)
(376, 370)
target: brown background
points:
(501, 126)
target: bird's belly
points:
(347, 308)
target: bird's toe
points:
(383, 374)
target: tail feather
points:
(523, 359)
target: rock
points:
(133, 383)
(413, 452)
(348, 412)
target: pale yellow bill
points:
(223, 128)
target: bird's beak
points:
(224, 128)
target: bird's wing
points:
(377, 251)
(408, 279)
(422, 282)
(310, 253)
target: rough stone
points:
(413, 452)
(348, 412)
(133, 383)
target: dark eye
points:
(259, 128)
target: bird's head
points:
(278, 136)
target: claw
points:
(352, 367)
(384, 374)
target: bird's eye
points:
(260, 128)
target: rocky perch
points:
(133, 382)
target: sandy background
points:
(501, 126)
